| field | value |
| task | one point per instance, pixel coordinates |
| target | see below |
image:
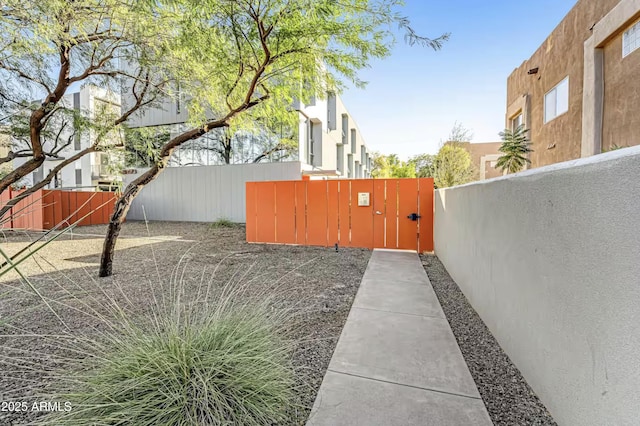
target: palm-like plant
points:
(515, 147)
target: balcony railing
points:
(102, 170)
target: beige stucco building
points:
(579, 93)
(484, 157)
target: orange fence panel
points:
(300, 218)
(83, 204)
(107, 210)
(73, 207)
(27, 214)
(317, 213)
(49, 206)
(379, 199)
(333, 212)
(265, 204)
(7, 221)
(251, 212)
(407, 205)
(285, 211)
(391, 214)
(53, 206)
(96, 207)
(426, 208)
(362, 215)
(344, 213)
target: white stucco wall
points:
(550, 259)
(204, 193)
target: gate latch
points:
(414, 216)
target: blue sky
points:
(415, 96)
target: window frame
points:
(554, 90)
(635, 29)
(512, 121)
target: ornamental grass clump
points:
(232, 366)
(232, 369)
(217, 353)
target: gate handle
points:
(414, 216)
(378, 212)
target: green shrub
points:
(231, 366)
(223, 223)
(614, 147)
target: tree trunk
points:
(227, 150)
(122, 205)
(124, 202)
(117, 217)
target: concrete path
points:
(397, 361)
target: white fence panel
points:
(204, 193)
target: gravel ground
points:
(318, 283)
(507, 396)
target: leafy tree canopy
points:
(423, 165)
(390, 166)
(452, 166)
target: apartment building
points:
(330, 144)
(579, 93)
(5, 144)
(94, 171)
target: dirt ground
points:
(318, 283)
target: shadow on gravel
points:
(507, 396)
(318, 283)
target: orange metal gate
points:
(367, 213)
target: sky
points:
(415, 96)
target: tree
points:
(379, 165)
(423, 165)
(238, 59)
(515, 147)
(403, 169)
(390, 166)
(47, 47)
(459, 133)
(452, 166)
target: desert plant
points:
(223, 223)
(231, 366)
(515, 147)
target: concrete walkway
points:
(397, 361)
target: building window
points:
(631, 39)
(345, 129)
(331, 111)
(516, 122)
(312, 131)
(556, 101)
(340, 159)
(78, 167)
(353, 141)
